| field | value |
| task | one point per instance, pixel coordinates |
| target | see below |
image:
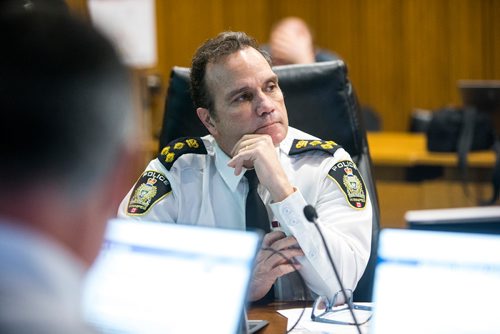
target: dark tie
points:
(256, 218)
(255, 212)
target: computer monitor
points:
(484, 96)
(471, 219)
(169, 278)
(436, 282)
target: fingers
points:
(271, 237)
(284, 243)
(273, 261)
(278, 250)
(276, 258)
(284, 269)
(262, 282)
(249, 149)
(247, 141)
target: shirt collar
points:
(286, 143)
(227, 173)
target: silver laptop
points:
(169, 278)
(436, 282)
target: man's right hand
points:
(257, 151)
(270, 265)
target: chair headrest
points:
(319, 98)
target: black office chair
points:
(321, 101)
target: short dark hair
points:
(65, 101)
(213, 51)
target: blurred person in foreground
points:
(65, 150)
(205, 181)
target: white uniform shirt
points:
(205, 191)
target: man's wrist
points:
(282, 193)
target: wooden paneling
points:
(401, 54)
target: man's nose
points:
(264, 104)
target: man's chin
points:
(277, 131)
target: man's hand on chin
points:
(258, 152)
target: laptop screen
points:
(436, 282)
(169, 278)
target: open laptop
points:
(436, 282)
(169, 278)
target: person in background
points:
(291, 42)
(66, 146)
(205, 181)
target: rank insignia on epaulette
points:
(302, 145)
(346, 175)
(149, 189)
(170, 153)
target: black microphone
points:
(311, 215)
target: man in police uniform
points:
(201, 180)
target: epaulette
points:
(170, 153)
(302, 145)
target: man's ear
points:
(206, 119)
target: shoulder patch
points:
(302, 145)
(170, 153)
(148, 190)
(346, 175)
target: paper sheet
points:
(306, 325)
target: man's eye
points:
(243, 97)
(271, 87)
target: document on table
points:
(306, 325)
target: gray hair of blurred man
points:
(65, 103)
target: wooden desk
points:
(277, 322)
(395, 154)
(410, 149)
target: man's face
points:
(247, 99)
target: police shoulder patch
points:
(301, 145)
(346, 175)
(151, 187)
(170, 153)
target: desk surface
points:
(410, 149)
(277, 322)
